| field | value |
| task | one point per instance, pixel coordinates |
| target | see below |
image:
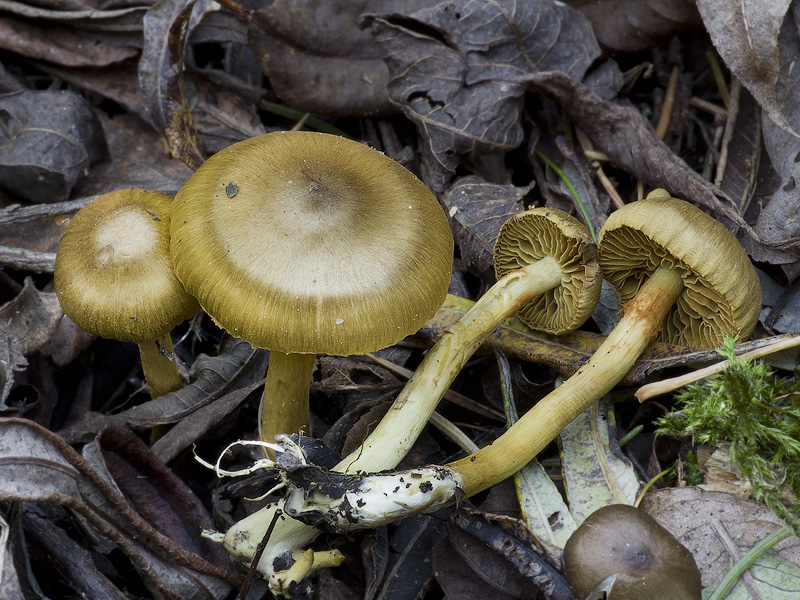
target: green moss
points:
(755, 413)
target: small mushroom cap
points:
(722, 293)
(311, 243)
(113, 275)
(532, 235)
(626, 544)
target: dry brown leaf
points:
(690, 513)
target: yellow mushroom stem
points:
(284, 405)
(400, 427)
(398, 430)
(643, 319)
(158, 364)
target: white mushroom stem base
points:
(284, 405)
(158, 364)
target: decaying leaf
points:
(692, 516)
(455, 69)
(26, 324)
(337, 70)
(477, 209)
(596, 473)
(48, 140)
(777, 222)
(746, 36)
(636, 25)
(161, 77)
(36, 465)
(238, 364)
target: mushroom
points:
(682, 277)
(546, 269)
(546, 274)
(306, 243)
(626, 553)
(114, 278)
(686, 261)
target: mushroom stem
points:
(400, 427)
(284, 405)
(644, 316)
(158, 364)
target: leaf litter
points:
(468, 94)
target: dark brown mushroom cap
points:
(625, 543)
(310, 243)
(530, 236)
(113, 275)
(722, 293)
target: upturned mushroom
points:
(687, 269)
(623, 551)
(682, 277)
(114, 278)
(306, 243)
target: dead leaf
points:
(516, 554)
(36, 465)
(777, 222)
(161, 76)
(338, 70)
(636, 25)
(48, 140)
(26, 324)
(746, 37)
(477, 209)
(63, 45)
(455, 72)
(688, 513)
(238, 365)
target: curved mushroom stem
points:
(158, 364)
(644, 316)
(284, 405)
(401, 426)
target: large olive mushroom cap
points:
(624, 544)
(113, 275)
(721, 295)
(535, 234)
(310, 243)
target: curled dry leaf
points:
(37, 465)
(161, 76)
(47, 142)
(455, 69)
(238, 365)
(477, 209)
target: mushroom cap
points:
(722, 293)
(311, 243)
(113, 275)
(532, 235)
(625, 543)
